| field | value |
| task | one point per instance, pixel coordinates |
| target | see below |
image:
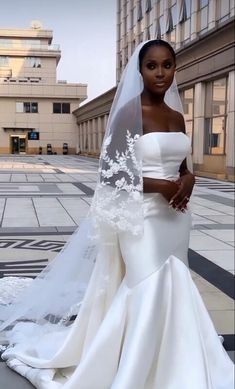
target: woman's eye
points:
(168, 65)
(150, 66)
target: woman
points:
(142, 323)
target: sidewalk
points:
(44, 198)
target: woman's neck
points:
(152, 99)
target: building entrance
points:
(18, 144)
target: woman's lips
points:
(159, 83)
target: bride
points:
(117, 308)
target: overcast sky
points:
(85, 31)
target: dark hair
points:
(155, 42)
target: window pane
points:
(162, 26)
(27, 107)
(224, 8)
(188, 104)
(174, 15)
(188, 7)
(34, 107)
(203, 3)
(204, 18)
(217, 135)
(4, 61)
(219, 97)
(189, 129)
(65, 107)
(19, 106)
(33, 62)
(188, 96)
(56, 107)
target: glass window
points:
(34, 108)
(204, 18)
(140, 13)
(203, 3)
(131, 19)
(185, 10)
(148, 5)
(223, 10)
(33, 62)
(32, 43)
(172, 18)
(56, 107)
(134, 15)
(61, 107)
(5, 42)
(188, 103)
(162, 25)
(19, 106)
(65, 107)
(215, 122)
(26, 107)
(4, 61)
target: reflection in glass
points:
(215, 122)
(188, 102)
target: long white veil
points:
(56, 294)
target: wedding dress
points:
(147, 327)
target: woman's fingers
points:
(180, 201)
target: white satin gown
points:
(148, 328)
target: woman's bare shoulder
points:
(177, 118)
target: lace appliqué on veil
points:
(118, 196)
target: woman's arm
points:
(186, 183)
(167, 188)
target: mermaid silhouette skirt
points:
(142, 327)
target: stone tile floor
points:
(44, 198)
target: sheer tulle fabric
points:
(117, 206)
(144, 325)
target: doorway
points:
(18, 144)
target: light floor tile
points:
(69, 188)
(223, 321)
(222, 258)
(206, 243)
(51, 213)
(226, 219)
(225, 235)
(217, 301)
(19, 212)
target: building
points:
(35, 108)
(202, 33)
(91, 120)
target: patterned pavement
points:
(44, 198)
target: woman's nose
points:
(159, 71)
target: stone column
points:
(230, 123)
(100, 135)
(199, 114)
(89, 124)
(85, 136)
(94, 131)
(79, 147)
(194, 10)
(211, 14)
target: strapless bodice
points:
(162, 153)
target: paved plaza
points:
(44, 198)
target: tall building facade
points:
(35, 108)
(202, 34)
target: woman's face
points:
(158, 69)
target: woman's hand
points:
(180, 199)
(169, 189)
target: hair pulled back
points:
(155, 42)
